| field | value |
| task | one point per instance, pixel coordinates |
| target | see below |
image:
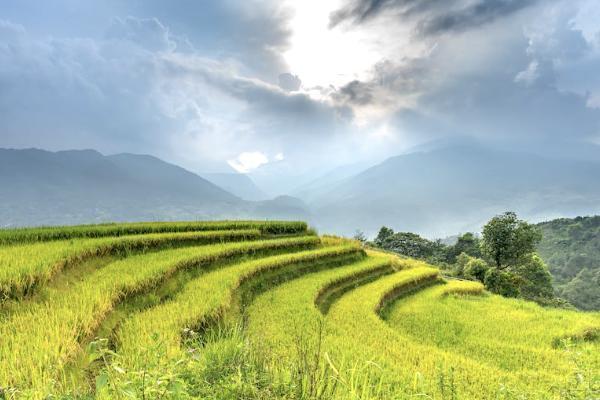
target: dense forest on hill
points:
(571, 248)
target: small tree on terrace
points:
(507, 240)
(466, 243)
(409, 244)
(360, 236)
(384, 234)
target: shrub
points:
(501, 282)
(461, 263)
(467, 243)
(536, 281)
(476, 269)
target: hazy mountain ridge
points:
(436, 193)
(456, 189)
(241, 185)
(38, 187)
(324, 183)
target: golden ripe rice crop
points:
(267, 310)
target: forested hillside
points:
(571, 248)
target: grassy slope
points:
(41, 336)
(416, 367)
(207, 298)
(396, 336)
(279, 315)
(509, 334)
(367, 352)
(48, 233)
(25, 266)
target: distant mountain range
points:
(40, 187)
(436, 191)
(322, 184)
(457, 188)
(238, 184)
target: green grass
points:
(25, 266)
(335, 288)
(512, 335)
(206, 300)
(371, 359)
(462, 288)
(42, 234)
(267, 310)
(276, 317)
(407, 365)
(41, 338)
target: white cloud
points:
(529, 75)
(182, 106)
(248, 161)
(367, 91)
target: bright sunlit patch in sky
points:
(321, 56)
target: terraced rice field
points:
(266, 310)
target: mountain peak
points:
(40, 187)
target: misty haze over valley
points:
(439, 191)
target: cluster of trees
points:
(571, 247)
(504, 259)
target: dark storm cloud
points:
(408, 77)
(281, 114)
(531, 88)
(289, 82)
(475, 15)
(355, 93)
(195, 80)
(431, 16)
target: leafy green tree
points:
(467, 243)
(439, 252)
(461, 263)
(384, 234)
(409, 244)
(469, 267)
(476, 269)
(508, 240)
(536, 281)
(504, 283)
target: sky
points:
(294, 88)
